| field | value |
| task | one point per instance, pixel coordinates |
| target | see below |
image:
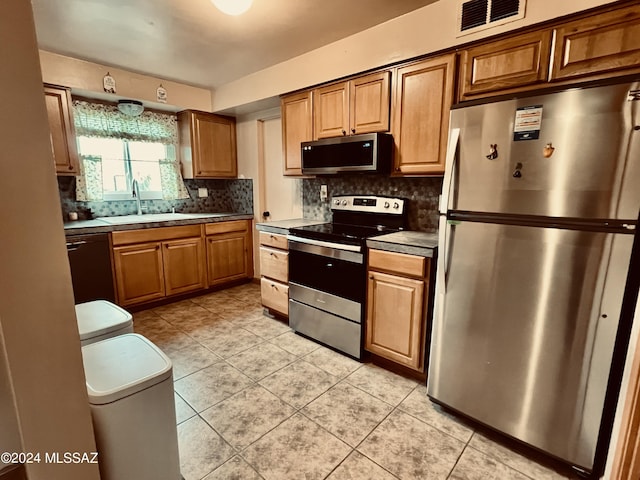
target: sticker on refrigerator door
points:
(527, 123)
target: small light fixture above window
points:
(132, 108)
(233, 7)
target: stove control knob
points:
(396, 205)
(344, 202)
(386, 204)
(336, 201)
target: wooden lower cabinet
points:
(229, 251)
(396, 307)
(139, 273)
(275, 295)
(274, 269)
(184, 265)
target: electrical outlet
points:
(203, 192)
(323, 193)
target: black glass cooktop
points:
(339, 233)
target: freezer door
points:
(587, 145)
(524, 330)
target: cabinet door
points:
(184, 265)
(603, 43)
(331, 110)
(139, 273)
(517, 61)
(229, 257)
(422, 99)
(297, 127)
(207, 145)
(395, 326)
(369, 98)
(63, 140)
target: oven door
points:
(340, 273)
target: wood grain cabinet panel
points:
(608, 42)
(230, 255)
(184, 265)
(395, 324)
(274, 264)
(139, 273)
(207, 145)
(422, 100)
(331, 110)
(62, 130)
(397, 302)
(297, 127)
(275, 295)
(369, 97)
(514, 62)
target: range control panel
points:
(366, 203)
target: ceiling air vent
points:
(476, 15)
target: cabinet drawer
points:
(274, 264)
(400, 263)
(274, 240)
(126, 237)
(226, 227)
(275, 295)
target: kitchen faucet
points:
(136, 195)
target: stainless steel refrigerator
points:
(538, 213)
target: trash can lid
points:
(100, 317)
(121, 366)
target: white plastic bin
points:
(100, 319)
(130, 387)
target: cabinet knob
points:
(397, 169)
(370, 277)
(353, 130)
(344, 132)
(70, 167)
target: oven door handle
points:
(321, 243)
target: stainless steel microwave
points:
(366, 152)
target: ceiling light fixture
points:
(233, 7)
(132, 108)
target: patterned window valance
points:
(101, 120)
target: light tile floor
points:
(256, 401)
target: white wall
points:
(420, 32)
(85, 78)
(37, 315)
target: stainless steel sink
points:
(155, 217)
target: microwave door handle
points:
(451, 158)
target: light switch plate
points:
(203, 192)
(323, 193)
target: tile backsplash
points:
(422, 194)
(233, 195)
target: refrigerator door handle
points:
(452, 147)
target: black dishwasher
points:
(90, 261)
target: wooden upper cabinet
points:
(422, 99)
(63, 139)
(369, 103)
(297, 127)
(207, 145)
(599, 44)
(331, 110)
(360, 105)
(517, 61)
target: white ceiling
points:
(190, 41)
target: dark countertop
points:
(413, 243)
(283, 226)
(103, 225)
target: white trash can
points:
(130, 387)
(100, 319)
